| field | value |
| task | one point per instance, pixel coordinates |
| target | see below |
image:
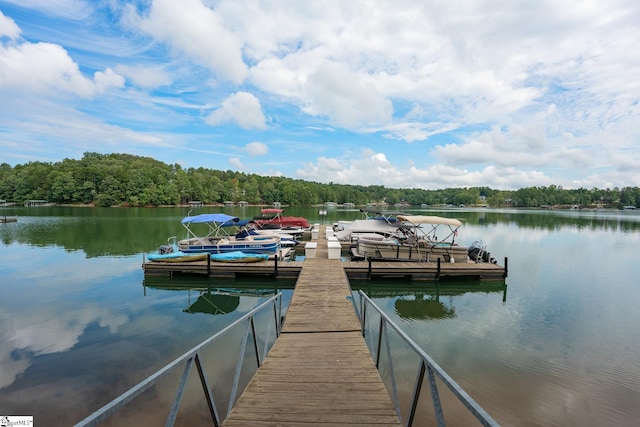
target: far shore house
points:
(36, 202)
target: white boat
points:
(424, 238)
(216, 240)
(249, 228)
(375, 223)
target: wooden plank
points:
(332, 379)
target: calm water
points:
(79, 324)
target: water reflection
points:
(433, 301)
(225, 300)
(77, 329)
(214, 303)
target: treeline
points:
(127, 180)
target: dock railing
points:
(379, 343)
(193, 356)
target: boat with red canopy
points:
(273, 218)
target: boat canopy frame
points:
(414, 223)
(215, 223)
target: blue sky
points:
(400, 93)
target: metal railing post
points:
(416, 394)
(173, 412)
(207, 392)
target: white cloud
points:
(23, 71)
(256, 149)
(145, 76)
(236, 163)
(197, 31)
(107, 79)
(8, 27)
(69, 9)
(241, 108)
(342, 96)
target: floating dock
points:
(366, 269)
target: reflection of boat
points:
(224, 300)
(421, 239)
(428, 301)
(238, 256)
(217, 241)
(214, 303)
(421, 308)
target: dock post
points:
(438, 269)
(209, 265)
(506, 267)
(369, 271)
(275, 265)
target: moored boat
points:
(272, 218)
(218, 241)
(375, 224)
(238, 256)
(421, 239)
(177, 257)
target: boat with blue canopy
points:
(207, 233)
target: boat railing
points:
(251, 336)
(377, 328)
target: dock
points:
(428, 271)
(319, 371)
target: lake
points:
(80, 324)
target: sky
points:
(402, 93)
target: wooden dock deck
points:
(353, 269)
(319, 371)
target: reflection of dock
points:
(6, 219)
(271, 267)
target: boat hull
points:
(421, 251)
(218, 246)
(238, 256)
(178, 257)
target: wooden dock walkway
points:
(319, 371)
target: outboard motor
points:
(165, 249)
(478, 252)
